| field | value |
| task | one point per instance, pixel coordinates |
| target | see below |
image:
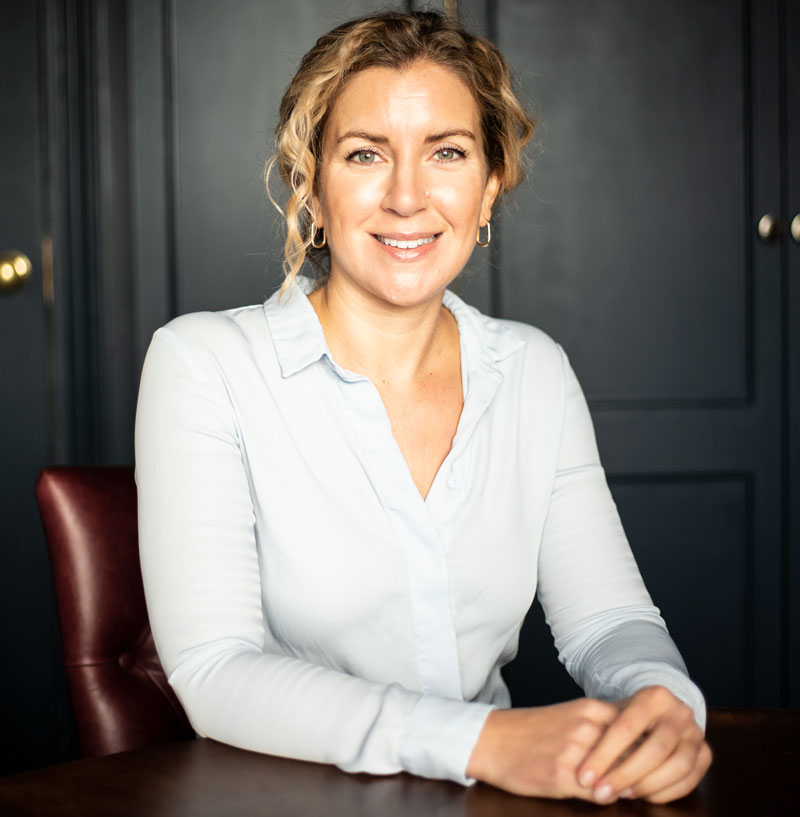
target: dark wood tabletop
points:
(756, 773)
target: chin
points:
(404, 296)
(410, 289)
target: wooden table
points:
(756, 773)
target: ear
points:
(489, 195)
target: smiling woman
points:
(394, 42)
(350, 494)
(403, 185)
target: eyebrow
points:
(383, 140)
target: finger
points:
(565, 777)
(666, 785)
(599, 712)
(653, 773)
(620, 736)
(589, 722)
(648, 707)
(661, 744)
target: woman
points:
(349, 494)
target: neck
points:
(392, 345)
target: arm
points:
(609, 635)
(203, 585)
(614, 643)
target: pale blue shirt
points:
(306, 601)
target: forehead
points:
(422, 97)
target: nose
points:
(405, 192)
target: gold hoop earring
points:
(313, 235)
(488, 235)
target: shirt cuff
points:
(441, 736)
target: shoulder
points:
(206, 342)
(534, 340)
(199, 329)
(539, 367)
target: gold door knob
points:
(796, 228)
(769, 228)
(15, 269)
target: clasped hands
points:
(647, 746)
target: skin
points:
(403, 159)
(647, 746)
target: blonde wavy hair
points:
(390, 40)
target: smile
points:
(406, 245)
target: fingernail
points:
(626, 794)
(586, 778)
(603, 793)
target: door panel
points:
(28, 633)
(702, 540)
(634, 245)
(626, 241)
(791, 303)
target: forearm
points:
(617, 662)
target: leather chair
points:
(119, 691)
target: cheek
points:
(348, 199)
(460, 204)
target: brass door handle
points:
(15, 269)
(770, 228)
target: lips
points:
(407, 243)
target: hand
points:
(653, 749)
(538, 752)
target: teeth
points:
(405, 245)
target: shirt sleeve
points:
(202, 582)
(609, 636)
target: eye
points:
(363, 157)
(449, 154)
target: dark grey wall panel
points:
(626, 244)
(635, 246)
(692, 539)
(230, 71)
(27, 622)
(152, 228)
(791, 302)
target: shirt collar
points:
(299, 340)
(485, 341)
(295, 328)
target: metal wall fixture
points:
(771, 228)
(15, 270)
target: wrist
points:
(484, 749)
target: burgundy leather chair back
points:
(119, 692)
